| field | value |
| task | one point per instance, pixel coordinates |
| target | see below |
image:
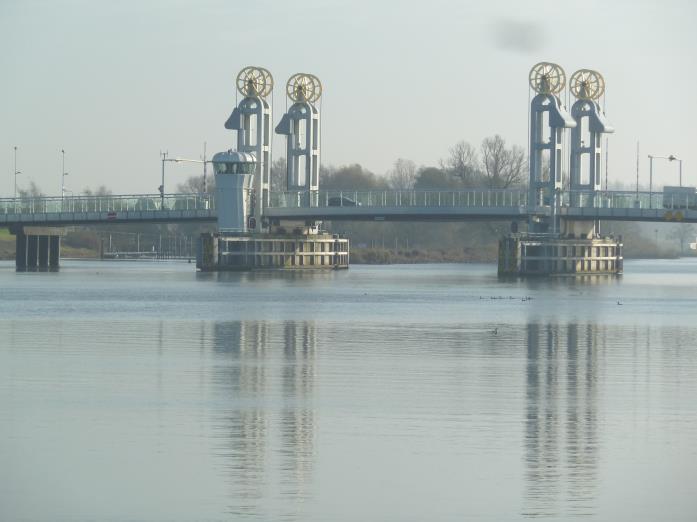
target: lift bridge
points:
(346, 205)
(247, 213)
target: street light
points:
(651, 158)
(673, 158)
(63, 175)
(16, 172)
(164, 155)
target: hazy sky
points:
(114, 82)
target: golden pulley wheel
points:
(587, 84)
(303, 87)
(255, 81)
(547, 78)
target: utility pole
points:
(637, 175)
(205, 164)
(161, 188)
(18, 172)
(63, 175)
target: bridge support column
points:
(42, 252)
(278, 250)
(32, 252)
(37, 248)
(54, 252)
(20, 252)
(550, 255)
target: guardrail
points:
(345, 198)
(480, 198)
(120, 203)
(630, 200)
(399, 198)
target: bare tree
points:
(350, 177)
(403, 174)
(503, 167)
(101, 190)
(32, 191)
(194, 185)
(462, 163)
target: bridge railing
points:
(630, 200)
(400, 198)
(121, 203)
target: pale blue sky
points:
(113, 83)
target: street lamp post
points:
(680, 172)
(180, 160)
(673, 158)
(651, 158)
(63, 175)
(16, 172)
(161, 188)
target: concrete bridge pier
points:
(37, 248)
(577, 250)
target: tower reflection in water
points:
(267, 373)
(561, 422)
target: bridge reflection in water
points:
(547, 386)
(561, 418)
(266, 427)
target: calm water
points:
(145, 391)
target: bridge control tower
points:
(245, 240)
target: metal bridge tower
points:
(300, 125)
(252, 121)
(586, 138)
(547, 112)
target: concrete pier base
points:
(545, 255)
(54, 252)
(218, 252)
(37, 248)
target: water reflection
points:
(242, 375)
(256, 277)
(267, 371)
(561, 426)
(298, 416)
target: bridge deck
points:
(397, 205)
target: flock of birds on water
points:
(495, 331)
(524, 298)
(511, 297)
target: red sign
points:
(111, 215)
